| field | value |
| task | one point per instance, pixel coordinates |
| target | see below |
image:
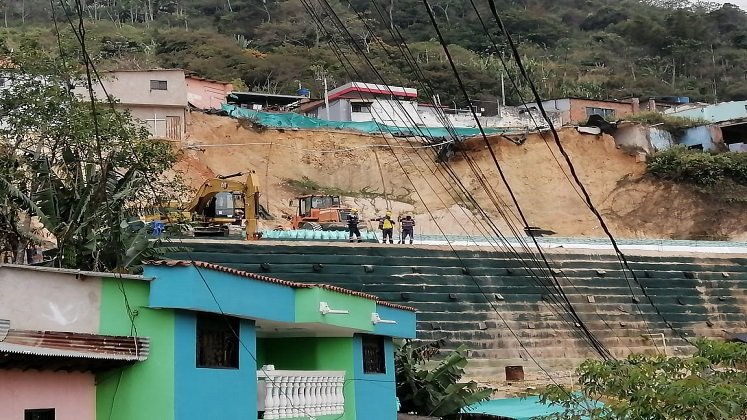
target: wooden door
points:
(174, 128)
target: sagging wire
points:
(587, 197)
(439, 226)
(598, 346)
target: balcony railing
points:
(285, 394)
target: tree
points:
(75, 169)
(436, 391)
(710, 385)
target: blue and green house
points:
(211, 329)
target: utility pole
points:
(503, 91)
(326, 96)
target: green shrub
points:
(703, 169)
(669, 123)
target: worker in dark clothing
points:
(386, 225)
(353, 221)
(408, 228)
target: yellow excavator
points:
(221, 202)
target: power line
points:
(571, 167)
(598, 346)
(373, 68)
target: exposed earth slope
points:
(290, 162)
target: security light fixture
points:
(376, 319)
(324, 309)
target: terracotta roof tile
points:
(295, 285)
(396, 306)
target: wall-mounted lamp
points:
(376, 319)
(324, 309)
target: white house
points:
(398, 106)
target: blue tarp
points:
(515, 408)
(292, 120)
(520, 408)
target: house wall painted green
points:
(312, 353)
(145, 390)
(360, 309)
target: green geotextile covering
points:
(517, 408)
(314, 235)
(292, 120)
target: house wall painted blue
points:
(709, 137)
(184, 288)
(724, 111)
(376, 394)
(306, 339)
(401, 328)
(213, 393)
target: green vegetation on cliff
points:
(603, 48)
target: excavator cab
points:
(225, 204)
(221, 202)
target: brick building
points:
(576, 110)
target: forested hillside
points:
(586, 48)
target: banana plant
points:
(435, 391)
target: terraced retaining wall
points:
(489, 301)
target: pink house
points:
(206, 93)
(52, 344)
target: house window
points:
(364, 108)
(159, 85)
(39, 414)
(217, 342)
(374, 357)
(604, 112)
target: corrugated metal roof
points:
(50, 352)
(77, 345)
(4, 328)
(70, 351)
(74, 271)
(296, 285)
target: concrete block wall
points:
(489, 301)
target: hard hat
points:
(388, 213)
(354, 210)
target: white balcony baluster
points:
(298, 394)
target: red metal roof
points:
(30, 349)
(295, 285)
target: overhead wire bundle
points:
(556, 293)
(537, 263)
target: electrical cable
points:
(542, 135)
(385, 82)
(574, 174)
(111, 103)
(603, 352)
(480, 176)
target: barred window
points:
(159, 85)
(374, 357)
(217, 342)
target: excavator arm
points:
(251, 203)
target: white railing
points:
(285, 394)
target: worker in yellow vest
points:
(386, 225)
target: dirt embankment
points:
(409, 180)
